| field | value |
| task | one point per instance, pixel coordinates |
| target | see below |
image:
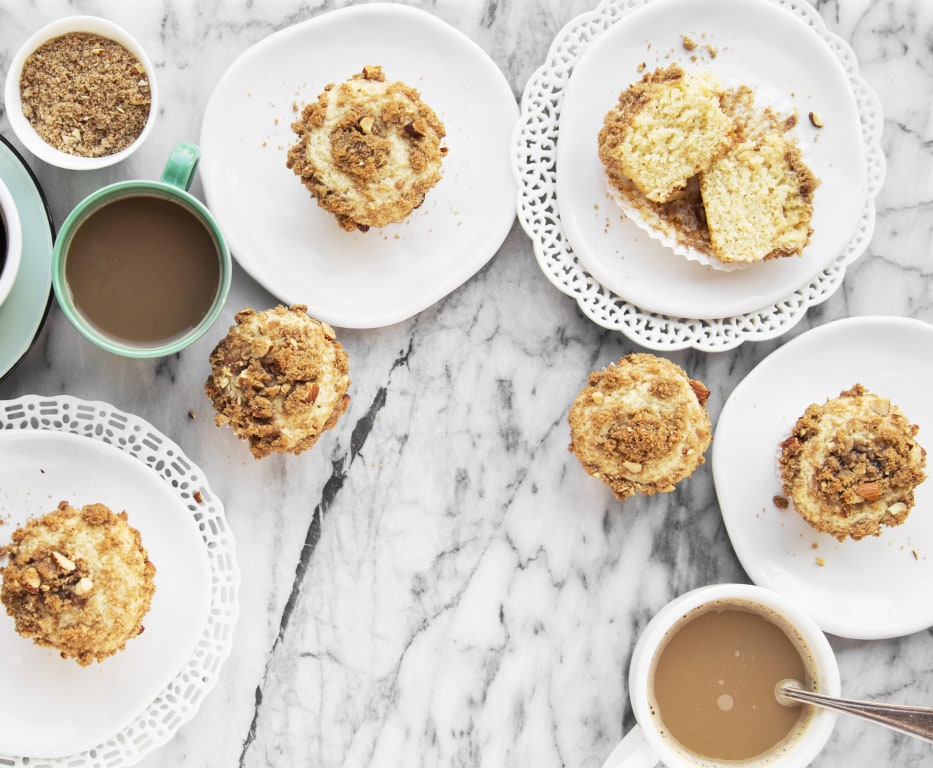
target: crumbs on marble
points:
(192, 415)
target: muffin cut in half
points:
(368, 150)
(851, 465)
(640, 425)
(706, 171)
(279, 379)
(78, 581)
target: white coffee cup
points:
(647, 744)
(11, 242)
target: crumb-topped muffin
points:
(850, 466)
(368, 150)
(665, 129)
(640, 425)
(78, 581)
(279, 379)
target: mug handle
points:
(632, 752)
(181, 166)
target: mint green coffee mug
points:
(141, 268)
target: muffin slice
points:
(851, 465)
(758, 200)
(640, 425)
(664, 129)
(78, 581)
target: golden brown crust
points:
(279, 379)
(78, 581)
(850, 466)
(368, 150)
(640, 425)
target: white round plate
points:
(27, 306)
(276, 230)
(112, 713)
(627, 280)
(873, 588)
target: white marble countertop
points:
(437, 583)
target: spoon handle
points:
(916, 721)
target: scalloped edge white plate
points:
(276, 230)
(760, 45)
(869, 589)
(112, 713)
(536, 144)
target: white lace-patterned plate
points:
(276, 230)
(111, 714)
(874, 588)
(626, 280)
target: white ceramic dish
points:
(872, 588)
(26, 307)
(64, 449)
(626, 280)
(12, 241)
(276, 230)
(14, 105)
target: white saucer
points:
(27, 306)
(873, 588)
(61, 448)
(276, 230)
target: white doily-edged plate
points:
(111, 714)
(877, 587)
(276, 230)
(621, 278)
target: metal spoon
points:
(915, 721)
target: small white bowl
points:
(9, 215)
(14, 106)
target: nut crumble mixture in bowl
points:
(88, 55)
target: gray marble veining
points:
(438, 583)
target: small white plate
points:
(275, 228)
(56, 449)
(873, 588)
(25, 309)
(790, 67)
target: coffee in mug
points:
(703, 679)
(141, 268)
(714, 677)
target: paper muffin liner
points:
(654, 225)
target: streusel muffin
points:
(368, 150)
(851, 465)
(279, 379)
(78, 581)
(640, 425)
